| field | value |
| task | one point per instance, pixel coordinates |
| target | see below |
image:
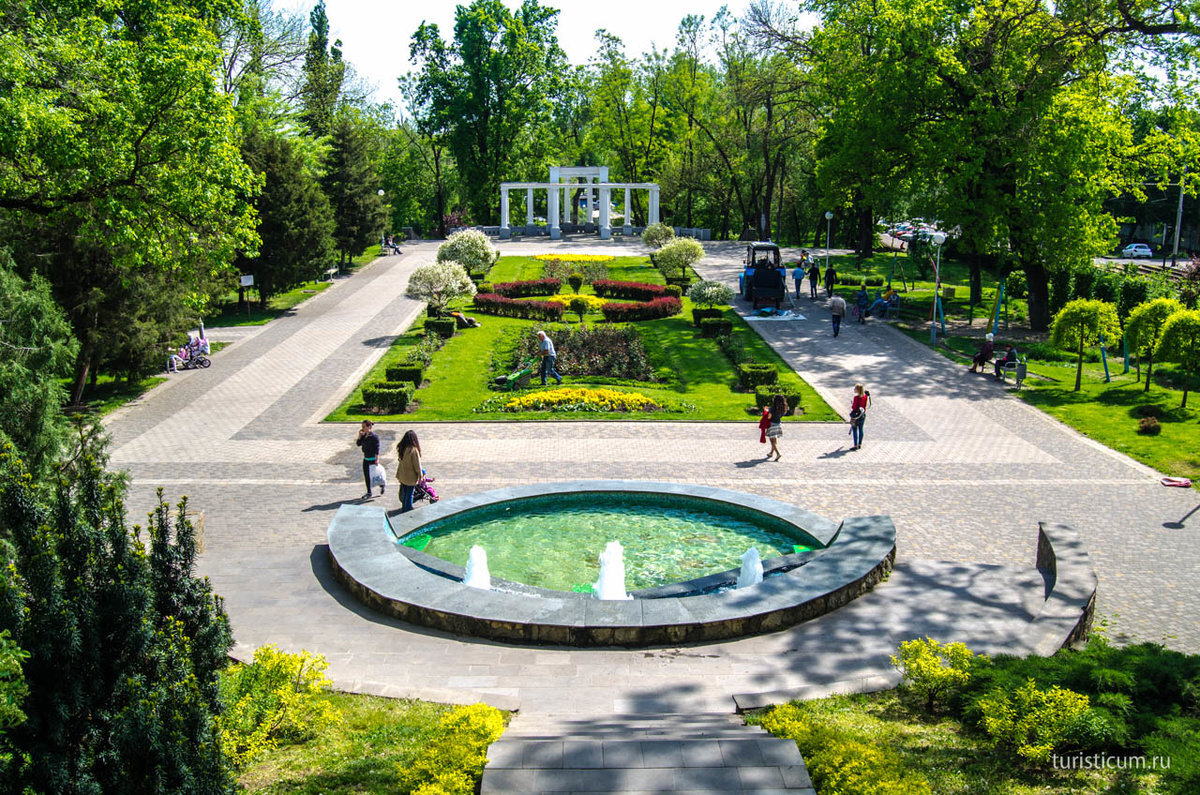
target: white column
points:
(552, 214)
(587, 202)
(605, 228)
(528, 208)
(505, 232)
(653, 214)
(627, 208)
(566, 203)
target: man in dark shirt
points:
(1010, 357)
(369, 443)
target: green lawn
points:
(694, 370)
(1108, 412)
(361, 754)
(110, 392)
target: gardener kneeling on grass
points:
(546, 351)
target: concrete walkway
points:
(964, 469)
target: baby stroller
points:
(424, 491)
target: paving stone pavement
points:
(965, 470)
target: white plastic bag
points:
(378, 478)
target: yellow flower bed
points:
(575, 257)
(581, 399)
(595, 303)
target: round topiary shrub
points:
(575, 280)
(709, 294)
(677, 256)
(657, 234)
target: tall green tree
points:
(122, 155)
(351, 182)
(295, 219)
(36, 352)
(492, 83)
(324, 72)
(124, 644)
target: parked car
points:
(1137, 250)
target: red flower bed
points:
(528, 288)
(493, 304)
(651, 310)
(632, 291)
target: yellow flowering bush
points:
(841, 763)
(931, 669)
(594, 303)
(581, 399)
(453, 760)
(277, 696)
(1030, 721)
(575, 257)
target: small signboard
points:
(246, 281)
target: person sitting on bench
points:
(890, 298)
(986, 351)
(1010, 357)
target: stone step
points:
(581, 753)
(764, 779)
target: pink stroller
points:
(423, 490)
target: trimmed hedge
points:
(651, 310)
(388, 396)
(752, 375)
(406, 374)
(855, 281)
(442, 327)
(715, 327)
(674, 290)
(700, 314)
(632, 291)
(477, 276)
(493, 304)
(682, 282)
(527, 288)
(764, 394)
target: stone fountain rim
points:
(368, 559)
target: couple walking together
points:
(771, 423)
(408, 472)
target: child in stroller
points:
(423, 490)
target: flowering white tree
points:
(440, 283)
(470, 248)
(709, 294)
(656, 235)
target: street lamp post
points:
(937, 238)
(828, 235)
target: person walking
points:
(779, 407)
(814, 279)
(798, 276)
(861, 300)
(858, 415)
(837, 307)
(369, 442)
(546, 351)
(408, 473)
(830, 280)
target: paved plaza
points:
(965, 469)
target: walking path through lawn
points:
(964, 469)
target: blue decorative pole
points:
(1104, 359)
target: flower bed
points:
(493, 304)
(576, 399)
(594, 303)
(607, 351)
(632, 291)
(651, 310)
(575, 257)
(527, 288)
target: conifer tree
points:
(352, 183)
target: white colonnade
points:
(597, 192)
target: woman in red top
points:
(858, 414)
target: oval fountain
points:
(812, 565)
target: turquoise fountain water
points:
(555, 541)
